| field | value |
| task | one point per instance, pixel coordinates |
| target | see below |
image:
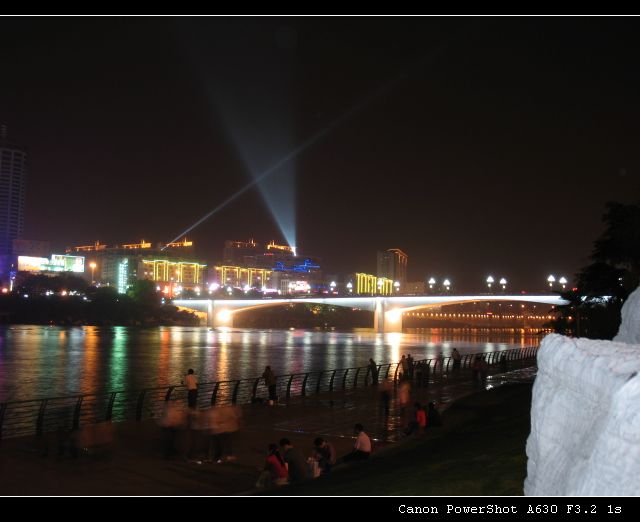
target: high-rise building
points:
(392, 264)
(13, 170)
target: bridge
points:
(387, 311)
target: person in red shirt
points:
(275, 465)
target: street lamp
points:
(446, 284)
(563, 282)
(432, 282)
(396, 285)
(551, 280)
(332, 285)
(490, 281)
(503, 282)
(92, 265)
(350, 287)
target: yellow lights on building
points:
(367, 284)
(180, 244)
(184, 272)
(243, 244)
(239, 276)
(136, 246)
(88, 248)
(286, 248)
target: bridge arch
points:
(387, 310)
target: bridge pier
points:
(220, 315)
(386, 319)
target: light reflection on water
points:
(42, 361)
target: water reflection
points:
(43, 361)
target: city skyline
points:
(476, 146)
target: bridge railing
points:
(38, 416)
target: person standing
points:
(270, 382)
(457, 358)
(192, 388)
(373, 369)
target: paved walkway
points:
(136, 466)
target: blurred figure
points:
(385, 395)
(172, 420)
(270, 382)
(404, 392)
(373, 369)
(457, 358)
(475, 370)
(419, 422)
(325, 454)
(433, 416)
(484, 370)
(409, 360)
(223, 425)
(95, 440)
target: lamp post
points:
(350, 287)
(551, 280)
(446, 283)
(332, 285)
(490, 281)
(563, 282)
(503, 282)
(92, 265)
(396, 285)
(432, 282)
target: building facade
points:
(13, 173)
(392, 264)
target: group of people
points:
(424, 418)
(285, 464)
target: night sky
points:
(476, 145)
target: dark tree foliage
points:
(603, 286)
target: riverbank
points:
(480, 450)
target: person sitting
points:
(361, 448)
(296, 465)
(419, 423)
(325, 454)
(275, 469)
(433, 416)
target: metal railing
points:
(38, 416)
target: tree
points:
(143, 292)
(604, 285)
(619, 244)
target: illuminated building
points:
(13, 171)
(57, 263)
(367, 284)
(236, 252)
(392, 264)
(242, 277)
(170, 266)
(247, 264)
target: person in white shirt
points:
(192, 388)
(362, 446)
